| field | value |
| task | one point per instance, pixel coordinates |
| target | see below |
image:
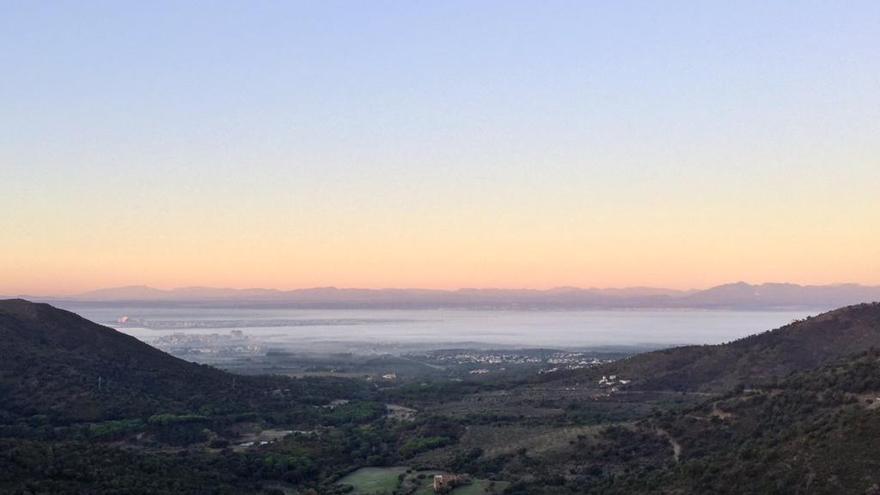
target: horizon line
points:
(456, 289)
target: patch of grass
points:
(374, 480)
(107, 429)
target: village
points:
(202, 347)
(494, 360)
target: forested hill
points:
(58, 364)
(801, 345)
(811, 433)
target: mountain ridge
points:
(738, 295)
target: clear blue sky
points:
(499, 143)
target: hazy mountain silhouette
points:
(736, 296)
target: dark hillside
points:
(801, 345)
(56, 364)
(814, 432)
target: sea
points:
(371, 329)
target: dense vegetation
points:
(814, 432)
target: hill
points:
(60, 365)
(799, 346)
(87, 409)
(813, 432)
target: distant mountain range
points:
(738, 295)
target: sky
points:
(438, 144)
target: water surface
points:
(569, 329)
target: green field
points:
(374, 481)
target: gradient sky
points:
(438, 144)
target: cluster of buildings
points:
(523, 357)
(480, 371)
(231, 344)
(571, 361)
(478, 357)
(612, 382)
(445, 483)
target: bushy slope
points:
(814, 432)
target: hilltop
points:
(760, 358)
